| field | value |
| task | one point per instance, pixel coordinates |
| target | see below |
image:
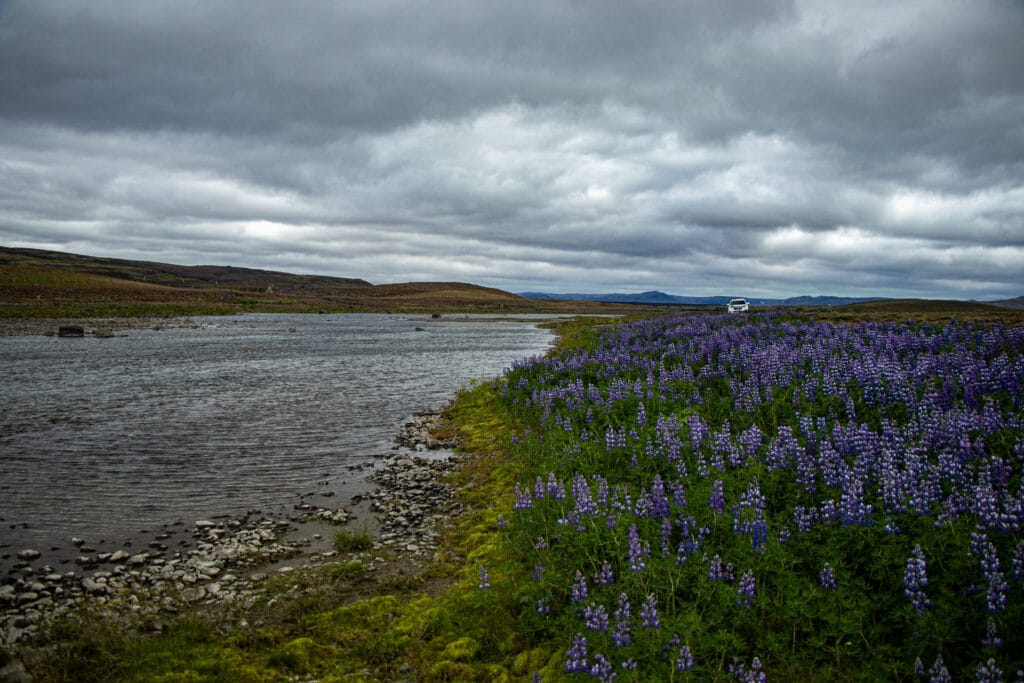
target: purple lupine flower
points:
(666, 537)
(555, 487)
(745, 675)
(523, 499)
(649, 612)
(684, 660)
(673, 644)
(538, 572)
(584, 501)
(989, 672)
(995, 599)
(719, 571)
(543, 606)
(827, 577)
(939, 673)
(915, 578)
(1017, 566)
(576, 655)
(804, 518)
(636, 550)
(623, 622)
(759, 537)
(601, 668)
(854, 509)
(678, 493)
(605, 577)
(595, 617)
(629, 665)
(657, 501)
(579, 588)
(717, 500)
(991, 638)
(484, 581)
(698, 432)
(746, 588)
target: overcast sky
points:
(758, 147)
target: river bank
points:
(223, 563)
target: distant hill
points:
(1016, 302)
(663, 299)
(170, 274)
(36, 283)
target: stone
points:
(29, 554)
(194, 594)
(119, 556)
(27, 597)
(70, 331)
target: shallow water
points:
(105, 438)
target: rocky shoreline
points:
(225, 561)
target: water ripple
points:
(100, 436)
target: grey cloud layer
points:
(770, 148)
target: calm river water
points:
(104, 438)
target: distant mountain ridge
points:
(661, 298)
(1016, 302)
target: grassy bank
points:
(684, 498)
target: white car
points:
(738, 306)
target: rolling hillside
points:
(47, 284)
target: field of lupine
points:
(764, 497)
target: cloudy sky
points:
(756, 147)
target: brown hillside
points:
(46, 284)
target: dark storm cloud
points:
(767, 148)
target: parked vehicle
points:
(738, 306)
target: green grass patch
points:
(346, 541)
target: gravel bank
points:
(226, 560)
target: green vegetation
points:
(352, 541)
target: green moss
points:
(529, 662)
(452, 671)
(461, 650)
(299, 655)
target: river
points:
(108, 438)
